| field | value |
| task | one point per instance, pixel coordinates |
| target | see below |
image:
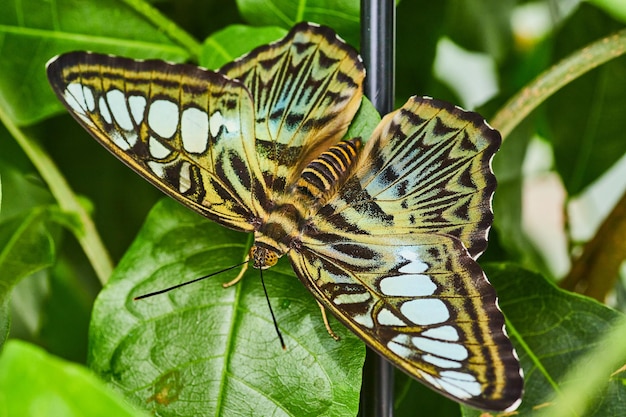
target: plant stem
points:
(168, 27)
(87, 236)
(551, 80)
(595, 272)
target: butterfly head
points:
(262, 257)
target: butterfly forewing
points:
(185, 129)
(426, 169)
(423, 303)
(306, 89)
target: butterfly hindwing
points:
(423, 303)
(185, 129)
(306, 88)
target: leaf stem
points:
(551, 80)
(87, 236)
(168, 27)
(595, 272)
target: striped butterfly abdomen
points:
(323, 174)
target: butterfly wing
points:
(306, 88)
(426, 169)
(187, 130)
(392, 254)
(424, 304)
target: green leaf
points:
(33, 32)
(588, 137)
(341, 15)
(419, 27)
(481, 25)
(552, 330)
(204, 349)
(364, 122)
(26, 248)
(235, 40)
(34, 383)
(616, 8)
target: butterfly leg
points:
(325, 318)
(244, 268)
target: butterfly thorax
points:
(291, 212)
(279, 231)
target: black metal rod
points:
(378, 40)
(378, 49)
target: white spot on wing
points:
(428, 377)
(89, 98)
(157, 149)
(163, 118)
(440, 362)
(415, 265)
(410, 285)
(75, 98)
(131, 138)
(452, 351)
(137, 106)
(157, 168)
(454, 389)
(184, 183)
(351, 298)
(194, 129)
(119, 109)
(462, 381)
(448, 333)
(118, 139)
(399, 349)
(104, 110)
(387, 318)
(365, 320)
(425, 312)
(457, 388)
(217, 121)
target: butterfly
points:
(385, 234)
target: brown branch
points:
(595, 272)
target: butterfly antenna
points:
(280, 336)
(150, 294)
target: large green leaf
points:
(25, 248)
(341, 15)
(481, 25)
(552, 330)
(32, 32)
(586, 117)
(233, 41)
(206, 350)
(34, 383)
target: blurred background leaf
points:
(33, 32)
(34, 383)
